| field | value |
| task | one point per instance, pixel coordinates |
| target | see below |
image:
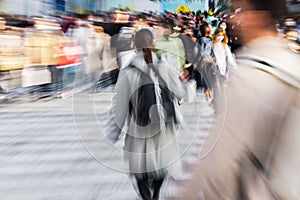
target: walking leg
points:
(157, 185)
(144, 188)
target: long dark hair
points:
(205, 30)
(144, 41)
(220, 30)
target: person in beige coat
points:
(99, 55)
(151, 149)
(252, 152)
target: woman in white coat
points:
(149, 149)
(221, 53)
(215, 68)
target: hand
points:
(187, 65)
(207, 94)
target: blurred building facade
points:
(44, 7)
(27, 7)
(106, 5)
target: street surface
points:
(49, 149)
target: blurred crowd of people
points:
(204, 50)
(253, 78)
(185, 39)
(69, 38)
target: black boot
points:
(144, 190)
(156, 188)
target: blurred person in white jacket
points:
(80, 33)
(224, 59)
(215, 69)
(99, 55)
(150, 146)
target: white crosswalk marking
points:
(43, 157)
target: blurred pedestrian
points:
(223, 25)
(222, 54)
(204, 46)
(215, 69)
(205, 42)
(99, 56)
(80, 33)
(150, 142)
(254, 155)
(234, 29)
(214, 24)
(188, 40)
(66, 23)
(171, 49)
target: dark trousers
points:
(194, 74)
(145, 188)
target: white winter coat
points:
(145, 149)
(224, 58)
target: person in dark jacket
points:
(204, 46)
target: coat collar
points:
(139, 61)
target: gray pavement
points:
(45, 150)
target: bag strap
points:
(273, 69)
(158, 75)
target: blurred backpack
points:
(150, 101)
